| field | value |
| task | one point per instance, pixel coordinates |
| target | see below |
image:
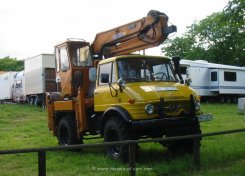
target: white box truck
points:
(6, 86)
(39, 76)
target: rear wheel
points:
(117, 130)
(67, 134)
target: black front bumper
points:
(165, 123)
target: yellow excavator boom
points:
(144, 33)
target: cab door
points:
(104, 94)
(63, 71)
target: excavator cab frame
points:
(73, 59)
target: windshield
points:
(80, 55)
(145, 69)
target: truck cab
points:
(138, 83)
(141, 96)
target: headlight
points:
(149, 109)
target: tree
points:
(218, 38)
(11, 64)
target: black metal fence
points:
(132, 151)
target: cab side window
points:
(108, 70)
(57, 59)
(64, 59)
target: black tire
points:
(117, 130)
(35, 101)
(27, 100)
(234, 99)
(185, 145)
(222, 99)
(229, 99)
(31, 102)
(67, 134)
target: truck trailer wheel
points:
(67, 131)
(35, 101)
(117, 130)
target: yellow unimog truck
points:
(102, 89)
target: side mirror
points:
(104, 78)
(176, 61)
(188, 81)
(121, 84)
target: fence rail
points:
(132, 166)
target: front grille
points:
(168, 107)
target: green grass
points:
(26, 127)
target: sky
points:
(32, 27)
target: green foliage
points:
(11, 64)
(23, 126)
(218, 38)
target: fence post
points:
(196, 143)
(132, 166)
(42, 163)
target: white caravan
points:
(210, 80)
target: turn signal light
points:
(131, 101)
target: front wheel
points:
(67, 134)
(117, 130)
(185, 145)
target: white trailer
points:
(39, 78)
(6, 86)
(220, 81)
